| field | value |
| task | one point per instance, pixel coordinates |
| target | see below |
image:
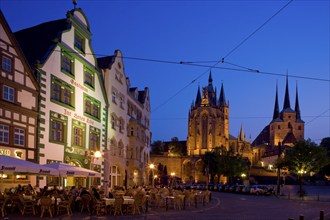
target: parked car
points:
(258, 190)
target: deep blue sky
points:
(295, 40)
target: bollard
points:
(301, 217)
(321, 215)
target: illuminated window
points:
(94, 139)
(6, 64)
(121, 102)
(4, 134)
(113, 122)
(8, 94)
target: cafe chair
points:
(27, 205)
(65, 205)
(45, 205)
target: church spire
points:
(241, 136)
(198, 98)
(222, 98)
(287, 98)
(297, 108)
(276, 113)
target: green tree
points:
(157, 147)
(325, 143)
(305, 157)
(211, 160)
(175, 148)
(231, 165)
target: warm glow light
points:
(243, 175)
(135, 173)
(172, 174)
(152, 166)
(270, 166)
(155, 176)
(97, 154)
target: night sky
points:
(170, 46)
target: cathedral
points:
(282, 132)
(208, 128)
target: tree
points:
(305, 157)
(325, 143)
(157, 147)
(175, 148)
(211, 163)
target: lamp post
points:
(97, 155)
(301, 173)
(151, 167)
(172, 179)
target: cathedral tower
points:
(208, 121)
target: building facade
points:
(73, 102)
(283, 131)
(128, 125)
(19, 91)
(208, 128)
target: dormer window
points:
(79, 42)
(6, 64)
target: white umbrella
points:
(70, 170)
(11, 165)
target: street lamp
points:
(152, 167)
(93, 155)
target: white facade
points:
(73, 105)
(128, 126)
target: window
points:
(57, 131)
(19, 137)
(121, 125)
(6, 64)
(89, 78)
(79, 42)
(58, 127)
(62, 92)
(121, 102)
(94, 139)
(113, 122)
(4, 134)
(67, 64)
(77, 137)
(114, 96)
(8, 94)
(92, 107)
(78, 133)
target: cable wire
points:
(248, 37)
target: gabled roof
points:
(262, 138)
(289, 138)
(105, 62)
(42, 35)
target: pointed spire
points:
(210, 78)
(241, 136)
(286, 104)
(198, 97)
(222, 98)
(297, 108)
(276, 113)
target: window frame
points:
(81, 127)
(4, 64)
(79, 45)
(94, 105)
(68, 71)
(94, 132)
(6, 94)
(3, 132)
(20, 135)
(60, 96)
(59, 118)
(90, 85)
